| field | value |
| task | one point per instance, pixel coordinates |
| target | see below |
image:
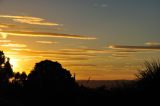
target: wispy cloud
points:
(154, 47)
(3, 25)
(82, 54)
(29, 20)
(82, 65)
(46, 42)
(126, 51)
(5, 41)
(14, 45)
(87, 50)
(7, 29)
(55, 55)
(152, 43)
(21, 49)
(83, 51)
(51, 53)
(121, 55)
(69, 58)
(65, 52)
(45, 34)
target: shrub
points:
(150, 75)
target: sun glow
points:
(3, 35)
(14, 63)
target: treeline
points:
(50, 84)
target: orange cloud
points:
(29, 20)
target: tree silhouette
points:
(6, 71)
(8, 68)
(48, 80)
(19, 78)
(51, 74)
(2, 58)
(23, 76)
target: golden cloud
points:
(20, 49)
(3, 26)
(121, 55)
(3, 35)
(57, 52)
(45, 34)
(29, 20)
(46, 42)
(14, 45)
(74, 54)
(82, 65)
(5, 41)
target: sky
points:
(96, 39)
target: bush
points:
(150, 75)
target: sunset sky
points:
(100, 39)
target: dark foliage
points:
(50, 84)
(150, 75)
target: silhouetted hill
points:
(107, 83)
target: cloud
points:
(152, 43)
(74, 54)
(3, 35)
(14, 45)
(46, 34)
(29, 20)
(54, 55)
(57, 53)
(3, 25)
(66, 52)
(120, 55)
(17, 31)
(69, 58)
(82, 65)
(20, 49)
(87, 50)
(5, 41)
(46, 42)
(127, 51)
(135, 47)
